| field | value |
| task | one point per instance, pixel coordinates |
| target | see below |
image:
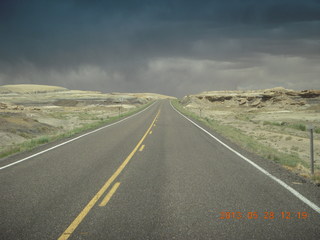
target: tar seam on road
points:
(67, 233)
(71, 140)
(283, 184)
(142, 147)
(109, 194)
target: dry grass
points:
(86, 122)
(286, 145)
(34, 114)
(29, 88)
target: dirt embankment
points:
(277, 118)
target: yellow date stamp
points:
(263, 215)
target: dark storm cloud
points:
(158, 45)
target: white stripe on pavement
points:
(283, 184)
(71, 140)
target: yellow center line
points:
(109, 194)
(66, 234)
(142, 147)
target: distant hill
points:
(30, 88)
(146, 95)
(33, 89)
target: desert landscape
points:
(35, 114)
(272, 123)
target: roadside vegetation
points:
(97, 122)
(297, 126)
(291, 161)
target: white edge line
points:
(73, 139)
(283, 184)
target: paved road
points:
(158, 177)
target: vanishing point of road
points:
(155, 175)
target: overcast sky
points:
(172, 47)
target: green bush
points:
(298, 126)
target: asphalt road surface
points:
(153, 176)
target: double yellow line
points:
(67, 233)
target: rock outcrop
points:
(279, 97)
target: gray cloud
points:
(171, 47)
